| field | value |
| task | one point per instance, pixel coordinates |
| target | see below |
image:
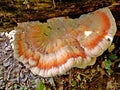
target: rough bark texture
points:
(12, 12)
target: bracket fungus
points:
(52, 48)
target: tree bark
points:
(12, 12)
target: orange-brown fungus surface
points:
(52, 48)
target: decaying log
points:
(12, 12)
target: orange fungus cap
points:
(54, 47)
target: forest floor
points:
(104, 75)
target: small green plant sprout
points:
(40, 86)
(109, 62)
(112, 57)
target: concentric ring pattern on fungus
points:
(52, 48)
